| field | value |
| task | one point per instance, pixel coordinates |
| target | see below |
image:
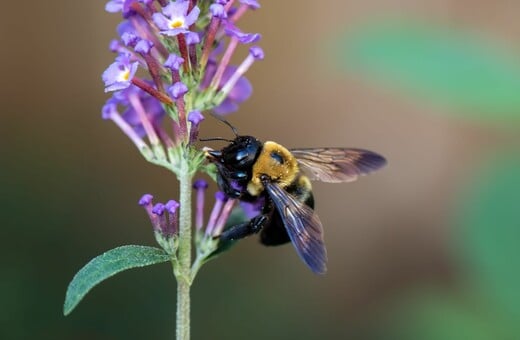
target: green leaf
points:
(490, 233)
(445, 66)
(107, 265)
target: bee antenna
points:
(215, 138)
(234, 129)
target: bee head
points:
(240, 154)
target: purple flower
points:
(145, 200)
(257, 52)
(114, 6)
(143, 46)
(245, 38)
(129, 38)
(158, 209)
(138, 100)
(178, 90)
(240, 92)
(253, 4)
(174, 62)
(164, 217)
(173, 218)
(217, 10)
(192, 38)
(175, 19)
(119, 74)
(195, 118)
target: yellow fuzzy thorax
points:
(268, 163)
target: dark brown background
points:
(70, 181)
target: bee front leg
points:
(245, 229)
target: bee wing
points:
(303, 226)
(337, 164)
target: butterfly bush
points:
(172, 67)
(173, 63)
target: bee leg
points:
(244, 229)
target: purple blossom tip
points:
(172, 206)
(200, 184)
(178, 90)
(174, 62)
(244, 38)
(253, 4)
(129, 39)
(257, 52)
(114, 6)
(192, 38)
(143, 46)
(109, 109)
(217, 10)
(145, 200)
(114, 45)
(158, 209)
(220, 196)
(195, 117)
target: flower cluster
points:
(172, 64)
(165, 223)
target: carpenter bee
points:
(279, 178)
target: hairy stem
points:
(184, 252)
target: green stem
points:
(184, 252)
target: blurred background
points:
(424, 249)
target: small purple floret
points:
(174, 62)
(192, 38)
(114, 45)
(195, 117)
(178, 90)
(114, 6)
(129, 39)
(143, 46)
(257, 52)
(145, 200)
(200, 184)
(158, 209)
(109, 109)
(220, 196)
(244, 38)
(218, 11)
(171, 206)
(253, 4)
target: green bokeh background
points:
(425, 249)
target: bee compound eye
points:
(264, 178)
